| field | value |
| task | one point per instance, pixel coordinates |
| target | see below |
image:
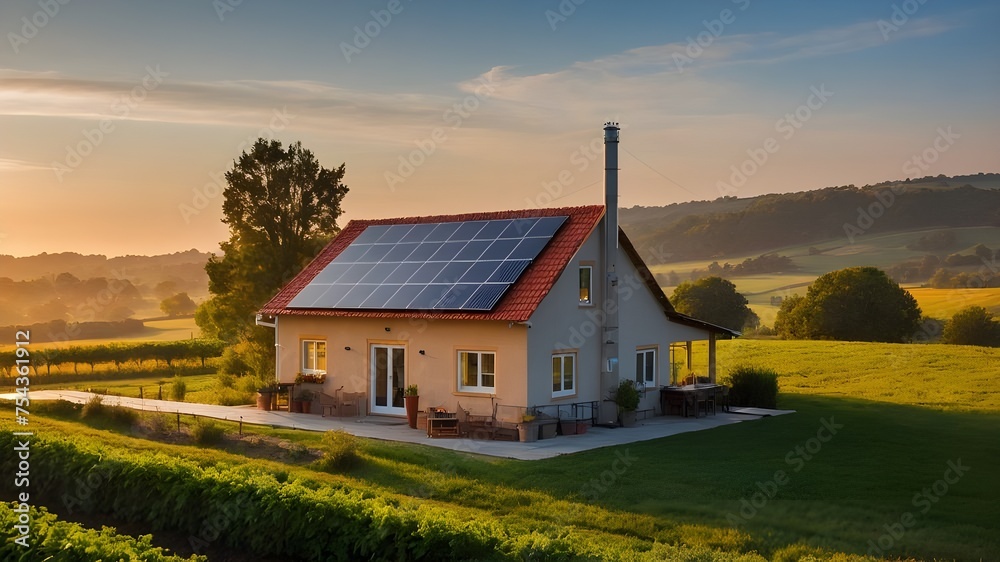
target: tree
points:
(282, 208)
(973, 325)
(178, 305)
(714, 300)
(853, 304)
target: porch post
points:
(711, 357)
(688, 346)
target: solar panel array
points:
(466, 265)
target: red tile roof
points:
(517, 304)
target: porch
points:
(395, 429)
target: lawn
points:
(901, 414)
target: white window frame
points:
(313, 356)
(590, 288)
(644, 358)
(480, 387)
(563, 391)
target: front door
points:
(388, 379)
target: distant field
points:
(944, 303)
(881, 251)
(156, 330)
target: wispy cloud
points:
(13, 165)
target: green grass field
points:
(902, 413)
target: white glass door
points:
(388, 373)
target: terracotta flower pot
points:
(412, 407)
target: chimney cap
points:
(611, 132)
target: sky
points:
(119, 118)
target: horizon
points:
(726, 98)
(218, 251)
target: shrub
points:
(95, 410)
(973, 325)
(178, 388)
(156, 423)
(225, 380)
(753, 386)
(232, 363)
(233, 397)
(207, 432)
(340, 451)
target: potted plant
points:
(264, 397)
(527, 431)
(627, 397)
(411, 400)
(305, 399)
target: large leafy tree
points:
(852, 304)
(282, 207)
(715, 300)
(973, 325)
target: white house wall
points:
(560, 323)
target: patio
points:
(395, 429)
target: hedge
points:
(53, 539)
(248, 508)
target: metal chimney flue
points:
(609, 347)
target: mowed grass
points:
(200, 388)
(939, 376)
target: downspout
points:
(277, 348)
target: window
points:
(586, 285)
(477, 371)
(563, 374)
(645, 366)
(313, 357)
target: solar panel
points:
(460, 265)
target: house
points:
(540, 307)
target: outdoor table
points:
(685, 397)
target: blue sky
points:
(181, 87)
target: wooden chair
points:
(722, 397)
(353, 402)
(329, 403)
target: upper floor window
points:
(586, 285)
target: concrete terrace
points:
(395, 429)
